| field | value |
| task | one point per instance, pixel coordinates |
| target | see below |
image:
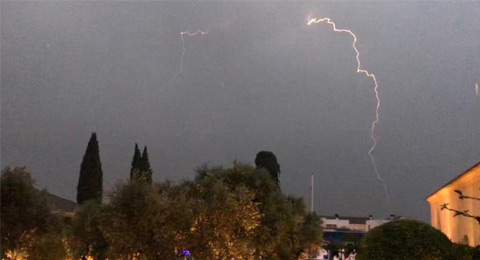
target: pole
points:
(311, 192)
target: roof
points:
(352, 220)
(59, 204)
(455, 179)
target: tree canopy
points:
(236, 212)
(405, 240)
(27, 226)
(268, 161)
(90, 180)
(141, 166)
(285, 231)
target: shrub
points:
(405, 240)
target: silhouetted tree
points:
(135, 170)
(87, 237)
(268, 160)
(144, 166)
(91, 176)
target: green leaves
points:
(405, 240)
(285, 230)
(225, 213)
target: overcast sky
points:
(261, 79)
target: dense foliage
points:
(286, 231)
(28, 228)
(465, 252)
(405, 240)
(145, 221)
(224, 220)
(86, 238)
(224, 213)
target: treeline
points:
(90, 181)
(224, 213)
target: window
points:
(331, 226)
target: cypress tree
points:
(144, 165)
(135, 170)
(91, 176)
(268, 161)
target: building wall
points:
(373, 223)
(357, 227)
(459, 229)
(345, 224)
(338, 223)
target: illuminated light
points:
(360, 70)
(476, 89)
(182, 34)
(456, 228)
(16, 255)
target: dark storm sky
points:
(260, 80)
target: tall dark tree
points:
(91, 176)
(144, 165)
(135, 170)
(268, 160)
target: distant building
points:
(459, 229)
(360, 224)
(342, 229)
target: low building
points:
(343, 230)
(459, 229)
(360, 224)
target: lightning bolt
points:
(370, 75)
(184, 49)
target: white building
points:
(361, 224)
(342, 229)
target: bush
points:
(405, 240)
(27, 226)
(463, 252)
